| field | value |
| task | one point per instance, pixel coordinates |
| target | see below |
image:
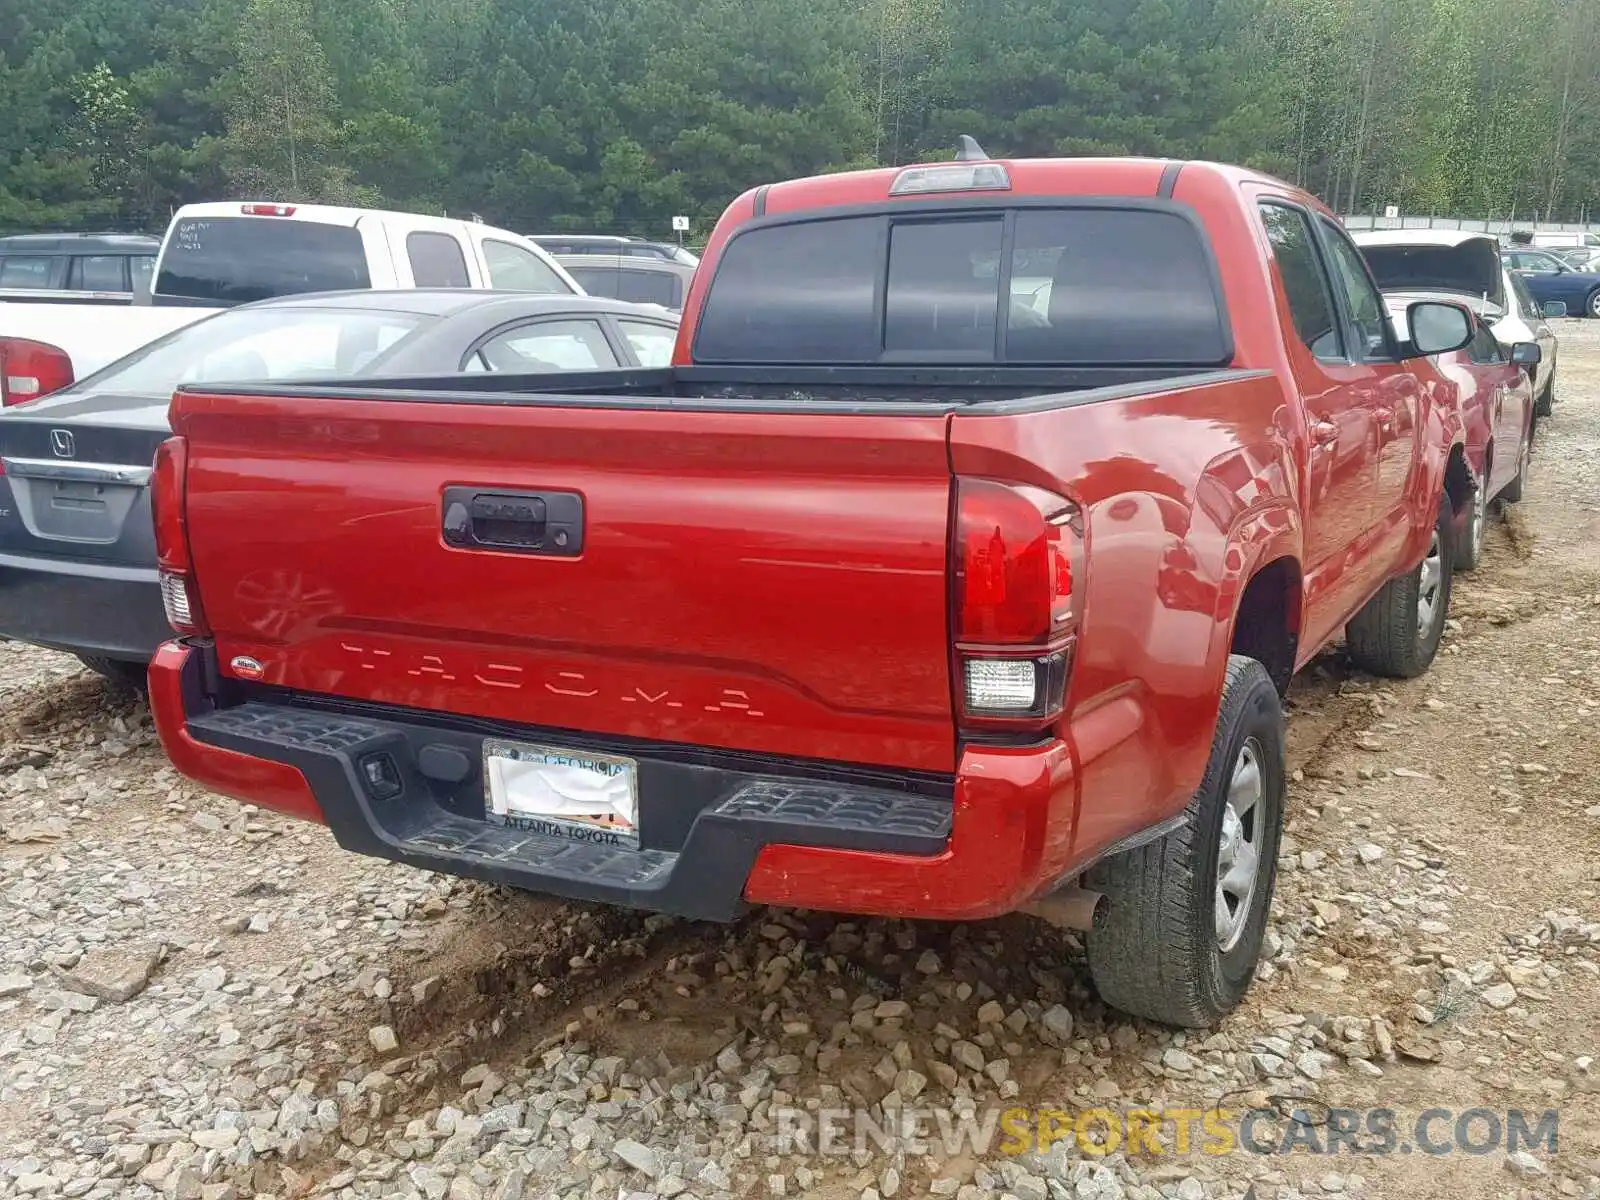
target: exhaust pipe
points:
(1069, 908)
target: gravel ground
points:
(198, 1000)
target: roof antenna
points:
(967, 150)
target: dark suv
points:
(76, 264)
(610, 244)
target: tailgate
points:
(766, 582)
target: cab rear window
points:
(1078, 286)
(234, 260)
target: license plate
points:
(563, 793)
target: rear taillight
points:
(30, 369)
(1018, 571)
(267, 210)
(179, 595)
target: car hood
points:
(1471, 268)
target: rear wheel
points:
(1397, 634)
(1185, 915)
(129, 676)
(1469, 546)
(1545, 402)
(1512, 492)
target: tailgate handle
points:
(546, 523)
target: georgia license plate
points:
(563, 793)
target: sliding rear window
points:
(234, 260)
(1077, 286)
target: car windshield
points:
(258, 344)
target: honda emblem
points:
(61, 441)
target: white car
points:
(1461, 266)
(216, 256)
(1555, 241)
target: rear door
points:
(1386, 385)
(436, 259)
(1335, 387)
(1510, 404)
(549, 344)
(650, 342)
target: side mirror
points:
(1437, 328)
(1527, 354)
(1555, 308)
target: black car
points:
(77, 552)
(70, 266)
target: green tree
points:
(283, 141)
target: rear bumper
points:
(718, 831)
(83, 608)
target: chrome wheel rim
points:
(1239, 847)
(1430, 587)
(1594, 305)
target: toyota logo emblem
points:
(61, 441)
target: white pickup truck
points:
(215, 256)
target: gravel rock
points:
(1501, 995)
(640, 1157)
(1525, 1166)
(115, 973)
(1056, 1025)
(1176, 1060)
(967, 1055)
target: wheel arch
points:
(1266, 619)
(1458, 481)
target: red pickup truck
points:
(956, 567)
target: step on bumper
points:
(722, 820)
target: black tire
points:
(1157, 953)
(1469, 546)
(1512, 492)
(1545, 402)
(1387, 637)
(128, 676)
(1591, 304)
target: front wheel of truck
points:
(1185, 915)
(1397, 633)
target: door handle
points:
(1324, 431)
(545, 523)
